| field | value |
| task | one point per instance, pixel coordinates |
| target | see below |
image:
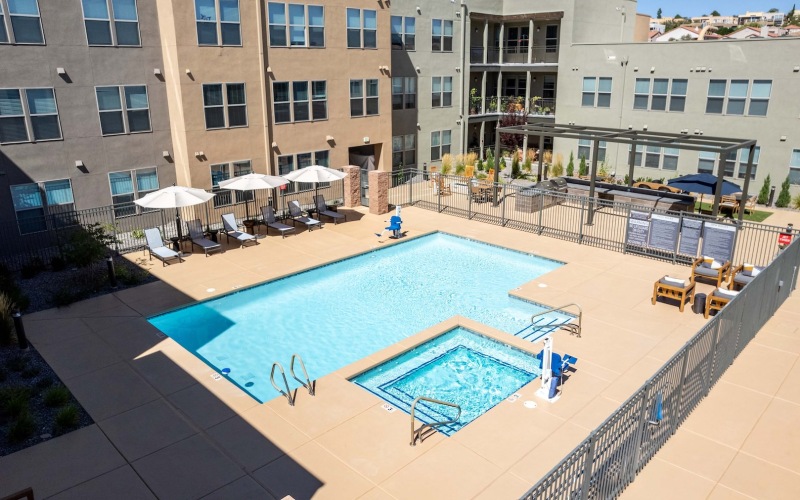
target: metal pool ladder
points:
(572, 328)
(427, 429)
(309, 384)
(291, 396)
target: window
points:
(442, 91)
(656, 100)
(28, 115)
(404, 151)
(794, 167)
(404, 92)
(551, 38)
(97, 17)
(123, 110)
(440, 144)
(596, 92)
(656, 157)
(585, 150)
(287, 163)
(744, 153)
(442, 36)
(403, 33)
(705, 162)
(219, 97)
(218, 22)
(224, 171)
(549, 88)
(738, 98)
(517, 40)
(293, 103)
(306, 25)
(24, 22)
(362, 29)
(32, 209)
(363, 97)
(129, 185)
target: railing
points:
(126, 222)
(425, 429)
(540, 54)
(574, 329)
(534, 105)
(290, 395)
(310, 385)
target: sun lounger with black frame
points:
(268, 213)
(322, 209)
(231, 230)
(199, 239)
(155, 244)
(297, 214)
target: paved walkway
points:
(167, 428)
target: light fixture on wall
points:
(533, 79)
(274, 145)
(417, 68)
(199, 154)
(157, 71)
(366, 140)
(79, 164)
(796, 69)
(61, 71)
(783, 138)
(419, 10)
(538, 29)
(652, 69)
(165, 154)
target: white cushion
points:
(722, 292)
(715, 264)
(674, 281)
(755, 272)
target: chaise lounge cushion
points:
(706, 271)
(727, 294)
(666, 280)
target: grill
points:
(559, 184)
(531, 199)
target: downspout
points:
(464, 78)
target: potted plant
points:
(474, 101)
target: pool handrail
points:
(572, 328)
(417, 434)
(288, 393)
(309, 384)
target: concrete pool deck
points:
(167, 428)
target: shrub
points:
(516, 173)
(44, 383)
(128, 276)
(479, 165)
(22, 428)
(796, 202)
(582, 168)
(67, 418)
(58, 264)
(14, 400)
(88, 245)
(56, 396)
(447, 164)
(763, 195)
(558, 167)
(571, 165)
(32, 268)
(64, 296)
(784, 198)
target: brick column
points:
(378, 192)
(352, 186)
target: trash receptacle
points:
(699, 306)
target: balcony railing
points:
(514, 55)
(535, 105)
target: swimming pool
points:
(339, 313)
(459, 366)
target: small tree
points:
(784, 198)
(571, 164)
(582, 168)
(512, 117)
(516, 173)
(715, 13)
(796, 202)
(658, 13)
(88, 245)
(763, 195)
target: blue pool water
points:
(461, 367)
(339, 313)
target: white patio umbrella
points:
(175, 197)
(315, 174)
(251, 182)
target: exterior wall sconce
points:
(329, 138)
(61, 71)
(199, 154)
(419, 10)
(188, 72)
(274, 145)
(79, 164)
(269, 69)
(417, 68)
(652, 69)
(165, 154)
(366, 140)
(157, 71)
(796, 69)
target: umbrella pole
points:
(208, 219)
(178, 222)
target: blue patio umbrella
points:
(703, 184)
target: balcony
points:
(541, 54)
(535, 106)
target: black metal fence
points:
(127, 222)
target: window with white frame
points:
(596, 92)
(123, 109)
(440, 144)
(735, 163)
(111, 22)
(744, 153)
(794, 167)
(660, 96)
(441, 91)
(305, 25)
(442, 35)
(404, 31)
(656, 157)
(35, 203)
(300, 101)
(224, 171)
(288, 163)
(404, 92)
(404, 151)
(129, 185)
(363, 97)
(706, 160)
(551, 39)
(20, 22)
(585, 150)
(28, 115)
(225, 105)
(218, 22)
(362, 29)
(739, 98)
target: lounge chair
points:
(718, 299)
(673, 288)
(322, 209)
(231, 229)
(155, 244)
(268, 213)
(297, 214)
(440, 187)
(710, 269)
(199, 239)
(742, 275)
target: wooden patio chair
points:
(718, 299)
(709, 269)
(672, 288)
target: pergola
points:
(719, 145)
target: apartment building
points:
(83, 115)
